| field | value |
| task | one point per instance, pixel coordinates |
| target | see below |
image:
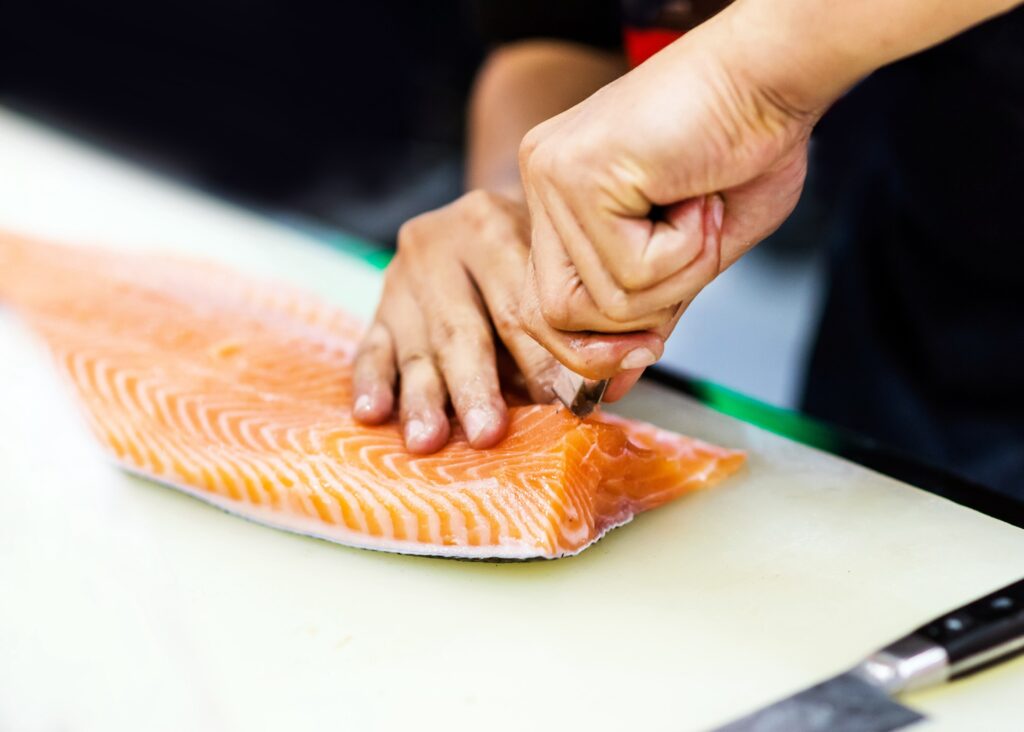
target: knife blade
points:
(846, 703)
(971, 638)
(580, 395)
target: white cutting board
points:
(126, 606)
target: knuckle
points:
(506, 318)
(445, 332)
(415, 359)
(478, 208)
(635, 275)
(535, 159)
(618, 306)
(409, 234)
(478, 200)
(366, 354)
(415, 234)
(374, 342)
(529, 323)
(467, 335)
(556, 311)
(528, 146)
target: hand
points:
(454, 282)
(645, 192)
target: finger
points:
(623, 250)
(641, 251)
(593, 355)
(498, 272)
(422, 396)
(559, 291)
(620, 385)
(514, 388)
(538, 367)
(646, 308)
(464, 344)
(461, 338)
(499, 277)
(713, 233)
(424, 423)
(637, 243)
(565, 300)
(373, 377)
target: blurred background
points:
(349, 117)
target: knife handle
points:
(968, 639)
(981, 633)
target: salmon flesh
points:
(239, 392)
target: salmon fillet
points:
(238, 392)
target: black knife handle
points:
(981, 633)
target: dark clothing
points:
(581, 21)
(263, 97)
(921, 343)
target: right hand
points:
(645, 192)
(455, 282)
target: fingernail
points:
(364, 405)
(717, 210)
(415, 432)
(475, 422)
(638, 358)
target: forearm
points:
(520, 86)
(811, 51)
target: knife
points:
(580, 396)
(968, 639)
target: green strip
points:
(783, 422)
(380, 259)
(373, 254)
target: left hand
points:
(446, 323)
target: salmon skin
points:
(238, 392)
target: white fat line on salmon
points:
(307, 527)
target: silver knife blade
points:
(580, 396)
(846, 703)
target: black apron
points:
(921, 343)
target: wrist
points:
(807, 53)
(781, 51)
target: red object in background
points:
(642, 43)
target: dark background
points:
(351, 113)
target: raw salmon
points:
(238, 392)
